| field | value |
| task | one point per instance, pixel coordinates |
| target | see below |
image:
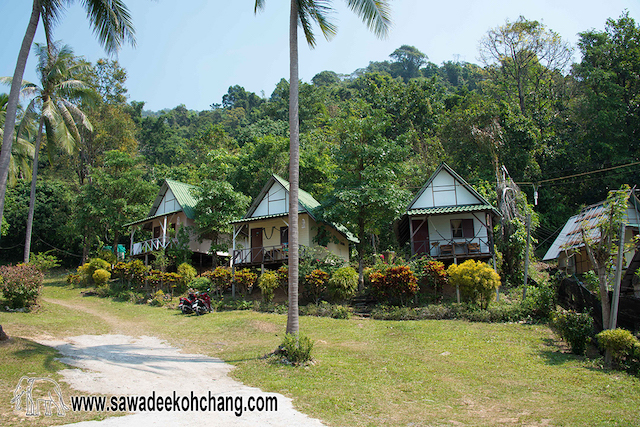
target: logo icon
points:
(38, 392)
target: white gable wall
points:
(445, 190)
(276, 201)
(168, 204)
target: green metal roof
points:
(305, 199)
(183, 195)
(450, 209)
(257, 218)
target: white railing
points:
(152, 245)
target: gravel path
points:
(123, 365)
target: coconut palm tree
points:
(375, 14)
(112, 25)
(21, 150)
(60, 80)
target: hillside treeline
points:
(526, 107)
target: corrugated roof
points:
(450, 209)
(256, 218)
(183, 195)
(571, 235)
(304, 198)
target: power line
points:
(579, 174)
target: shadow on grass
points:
(555, 355)
(26, 349)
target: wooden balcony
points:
(278, 254)
(454, 249)
(141, 248)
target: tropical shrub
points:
(477, 281)
(620, 342)
(575, 328)
(395, 284)
(20, 284)
(283, 278)
(343, 283)
(101, 276)
(324, 309)
(84, 275)
(245, 279)
(539, 302)
(187, 274)
(200, 284)
(43, 261)
(108, 256)
(220, 278)
(316, 284)
(268, 283)
(434, 275)
(296, 349)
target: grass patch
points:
(371, 373)
(20, 357)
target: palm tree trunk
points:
(32, 198)
(12, 104)
(293, 326)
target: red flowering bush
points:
(220, 278)
(245, 280)
(21, 284)
(316, 284)
(396, 284)
(434, 275)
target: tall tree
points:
(368, 193)
(524, 53)
(608, 112)
(59, 86)
(409, 59)
(375, 13)
(112, 25)
(218, 203)
(117, 194)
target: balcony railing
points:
(263, 255)
(151, 245)
(453, 248)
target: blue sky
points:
(190, 51)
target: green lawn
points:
(368, 372)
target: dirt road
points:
(125, 365)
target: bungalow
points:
(568, 248)
(261, 237)
(172, 209)
(449, 220)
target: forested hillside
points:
(558, 126)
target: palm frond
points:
(111, 23)
(79, 116)
(67, 145)
(259, 6)
(376, 14)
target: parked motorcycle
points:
(195, 302)
(202, 303)
(186, 304)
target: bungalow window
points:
(284, 236)
(462, 228)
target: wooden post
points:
(164, 233)
(616, 286)
(526, 257)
